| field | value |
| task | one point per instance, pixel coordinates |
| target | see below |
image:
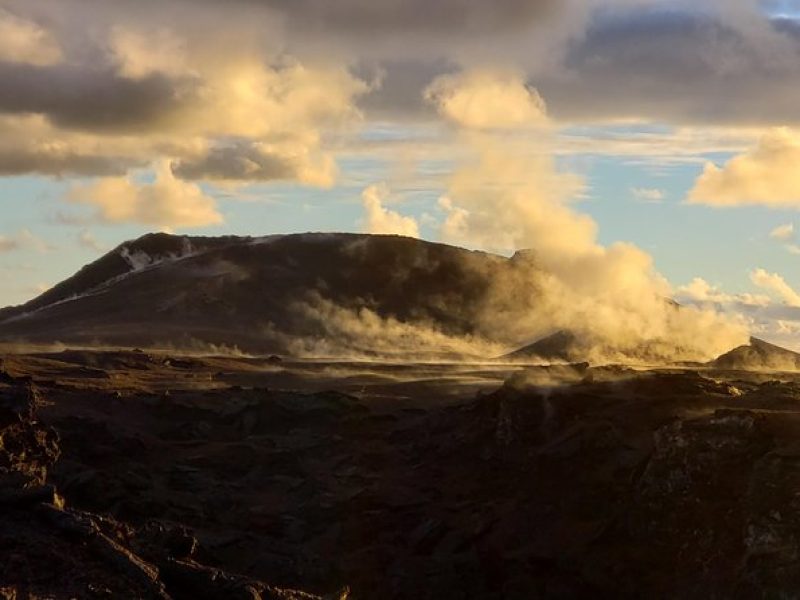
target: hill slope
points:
(265, 294)
(759, 355)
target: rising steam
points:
(510, 195)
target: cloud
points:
(647, 194)
(259, 161)
(703, 63)
(776, 285)
(25, 41)
(445, 17)
(702, 292)
(95, 98)
(487, 100)
(218, 104)
(695, 63)
(783, 232)
(138, 55)
(167, 202)
(765, 175)
(381, 220)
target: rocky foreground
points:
(612, 484)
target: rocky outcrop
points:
(52, 551)
(759, 355)
(609, 483)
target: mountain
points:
(759, 355)
(269, 294)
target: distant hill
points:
(264, 294)
(331, 294)
(759, 355)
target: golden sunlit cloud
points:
(776, 285)
(482, 99)
(700, 291)
(26, 42)
(166, 203)
(765, 175)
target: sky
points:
(667, 132)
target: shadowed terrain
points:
(265, 294)
(188, 477)
(400, 469)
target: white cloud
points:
(167, 202)
(481, 99)
(380, 220)
(776, 285)
(699, 291)
(647, 194)
(766, 175)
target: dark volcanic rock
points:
(259, 294)
(53, 552)
(759, 355)
(617, 483)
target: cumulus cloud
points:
(766, 175)
(481, 99)
(715, 62)
(25, 41)
(219, 105)
(772, 316)
(167, 202)
(776, 285)
(701, 291)
(696, 63)
(381, 220)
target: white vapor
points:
(510, 195)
